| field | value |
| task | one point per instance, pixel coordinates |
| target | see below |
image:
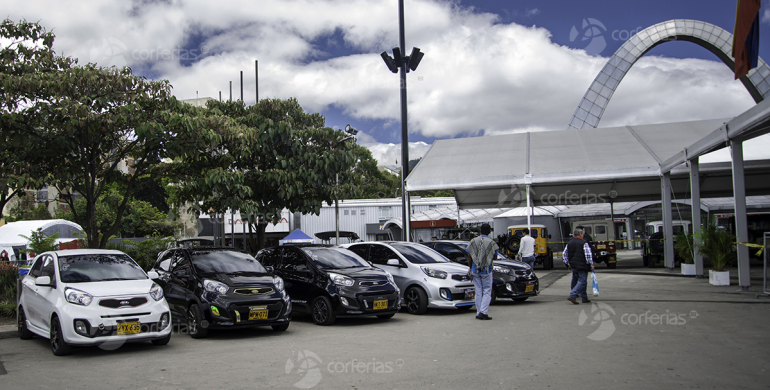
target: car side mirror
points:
(394, 262)
(153, 275)
(43, 281)
(270, 269)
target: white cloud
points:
(478, 74)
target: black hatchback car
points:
(221, 288)
(511, 278)
(330, 282)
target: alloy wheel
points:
(320, 311)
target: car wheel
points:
(195, 322)
(323, 313)
(652, 260)
(386, 316)
(58, 346)
(162, 341)
(281, 328)
(416, 300)
(522, 299)
(24, 332)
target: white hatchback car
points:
(91, 297)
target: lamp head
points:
(350, 130)
(415, 58)
(391, 64)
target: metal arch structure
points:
(711, 37)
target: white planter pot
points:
(719, 278)
(688, 269)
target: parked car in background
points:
(653, 248)
(89, 297)
(602, 233)
(511, 278)
(221, 288)
(543, 253)
(425, 277)
(331, 282)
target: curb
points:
(8, 332)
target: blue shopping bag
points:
(596, 284)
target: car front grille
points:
(373, 283)
(461, 277)
(254, 291)
(523, 273)
(116, 303)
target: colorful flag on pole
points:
(746, 36)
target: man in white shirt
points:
(527, 249)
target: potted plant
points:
(684, 245)
(717, 244)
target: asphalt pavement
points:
(644, 331)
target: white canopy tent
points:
(10, 234)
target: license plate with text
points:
(530, 288)
(125, 328)
(382, 304)
(257, 315)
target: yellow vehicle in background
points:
(543, 254)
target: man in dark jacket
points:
(578, 257)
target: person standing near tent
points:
(527, 249)
(577, 257)
(482, 251)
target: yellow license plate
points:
(601, 247)
(125, 328)
(530, 288)
(379, 305)
(257, 315)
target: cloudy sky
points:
(490, 66)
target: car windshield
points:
(419, 254)
(98, 268)
(463, 244)
(335, 258)
(226, 262)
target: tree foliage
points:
(83, 121)
(25, 56)
(39, 242)
(280, 157)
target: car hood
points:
(517, 265)
(360, 273)
(114, 287)
(244, 279)
(452, 268)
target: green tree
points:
(83, 121)
(39, 242)
(281, 157)
(25, 55)
(27, 209)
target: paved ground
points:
(643, 332)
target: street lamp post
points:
(352, 135)
(405, 63)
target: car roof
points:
(80, 252)
(523, 226)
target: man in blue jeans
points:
(482, 250)
(577, 256)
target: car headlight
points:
(341, 280)
(78, 297)
(502, 270)
(278, 283)
(390, 278)
(156, 292)
(214, 286)
(434, 273)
